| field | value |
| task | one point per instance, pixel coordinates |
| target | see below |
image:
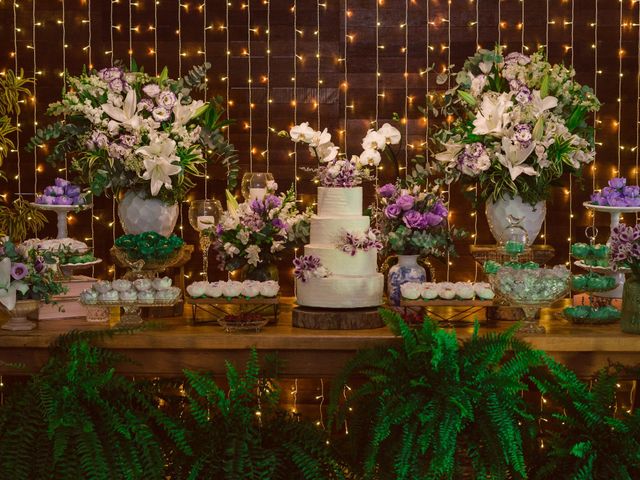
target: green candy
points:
(580, 250)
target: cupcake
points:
(270, 288)
(142, 284)
(213, 290)
(429, 291)
(250, 289)
(89, 296)
(121, 285)
(128, 296)
(231, 288)
(146, 296)
(411, 290)
(110, 296)
(102, 286)
(162, 283)
(196, 289)
(446, 290)
(464, 290)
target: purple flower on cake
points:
(387, 191)
(351, 242)
(307, 267)
(392, 211)
(19, 271)
(405, 202)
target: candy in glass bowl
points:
(531, 289)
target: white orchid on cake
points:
(511, 125)
(335, 168)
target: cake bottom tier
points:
(337, 291)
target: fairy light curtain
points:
(340, 64)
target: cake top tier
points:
(339, 202)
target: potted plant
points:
(251, 236)
(26, 279)
(139, 137)
(511, 125)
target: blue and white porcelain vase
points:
(405, 271)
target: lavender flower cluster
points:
(307, 267)
(625, 246)
(617, 194)
(365, 241)
(414, 212)
(62, 192)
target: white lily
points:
(493, 117)
(542, 104)
(8, 290)
(514, 157)
(182, 114)
(450, 154)
(159, 156)
(127, 115)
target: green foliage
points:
(77, 418)
(12, 88)
(243, 434)
(21, 220)
(431, 402)
(586, 437)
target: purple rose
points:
(72, 191)
(19, 271)
(405, 202)
(61, 182)
(631, 191)
(432, 219)
(439, 209)
(45, 200)
(54, 191)
(271, 201)
(64, 200)
(387, 191)
(617, 182)
(413, 219)
(392, 211)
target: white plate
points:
(604, 270)
(60, 208)
(610, 208)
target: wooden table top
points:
(173, 335)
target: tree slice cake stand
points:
(336, 319)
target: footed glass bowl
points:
(531, 290)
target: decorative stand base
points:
(18, 324)
(338, 319)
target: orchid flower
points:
(514, 157)
(8, 290)
(127, 115)
(492, 116)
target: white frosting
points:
(342, 263)
(330, 230)
(341, 292)
(339, 202)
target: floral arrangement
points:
(617, 194)
(127, 130)
(335, 169)
(625, 247)
(308, 267)
(512, 125)
(149, 246)
(352, 242)
(257, 232)
(413, 221)
(62, 192)
(26, 275)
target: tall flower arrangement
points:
(130, 130)
(334, 168)
(512, 125)
(256, 233)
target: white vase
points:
(139, 214)
(531, 217)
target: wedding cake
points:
(352, 279)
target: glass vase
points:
(405, 271)
(262, 273)
(630, 317)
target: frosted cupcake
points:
(411, 290)
(446, 290)
(464, 290)
(142, 284)
(429, 291)
(121, 285)
(110, 296)
(231, 288)
(270, 288)
(128, 296)
(89, 296)
(162, 283)
(213, 290)
(250, 289)
(102, 286)
(146, 296)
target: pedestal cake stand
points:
(61, 211)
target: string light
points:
(449, 262)
(346, 72)
(405, 25)
(34, 24)
(268, 82)
(112, 224)
(249, 82)
(499, 22)
(294, 102)
(155, 34)
(620, 55)
(571, 176)
(90, 62)
(318, 80)
(595, 91)
(523, 47)
(15, 58)
(64, 70)
(179, 32)
(474, 214)
(637, 153)
(130, 35)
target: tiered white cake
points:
(354, 281)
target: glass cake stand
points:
(61, 211)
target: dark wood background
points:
(427, 26)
